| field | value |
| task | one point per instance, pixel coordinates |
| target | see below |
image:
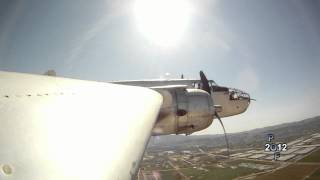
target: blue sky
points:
(268, 48)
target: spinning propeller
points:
(225, 133)
(206, 87)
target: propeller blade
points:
(205, 82)
(225, 133)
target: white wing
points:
(57, 128)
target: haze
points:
(269, 48)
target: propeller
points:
(225, 134)
(206, 87)
(205, 82)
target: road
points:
(178, 170)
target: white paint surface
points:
(55, 128)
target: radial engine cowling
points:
(184, 111)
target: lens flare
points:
(163, 22)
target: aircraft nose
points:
(247, 97)
(242, 97)
(239, 94)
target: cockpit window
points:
(219, 88)
(236, 94)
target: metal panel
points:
(55, 128)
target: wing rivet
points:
(6, 169)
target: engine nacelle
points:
(184, 111)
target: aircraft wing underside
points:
(57, 128)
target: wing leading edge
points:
(58, 128)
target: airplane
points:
(61, 128)
(190, 105)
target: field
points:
(170, 175)
(315, 175)
(294, 171)
(218, 173)
(204, 163)
(313, 157)
(227, 171)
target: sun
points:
(163, 22)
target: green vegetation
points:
(170, 175)
(236, 162)
(313, 157)
(217, 173)
(315, 175)
(294, 171)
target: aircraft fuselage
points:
(184, 109)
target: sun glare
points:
(163, 22)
